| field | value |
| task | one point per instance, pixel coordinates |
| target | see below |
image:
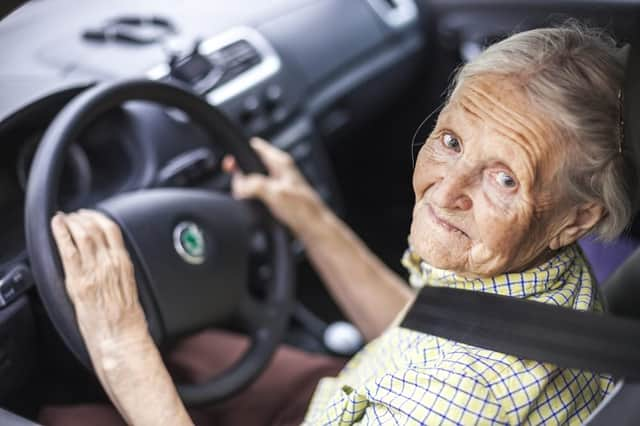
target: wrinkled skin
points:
(487, 183)
(99, 274)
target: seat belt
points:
(596, 342)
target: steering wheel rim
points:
(41, 198)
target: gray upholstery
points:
(622, 289)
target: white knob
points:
(342, 338)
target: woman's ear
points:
(577, 223)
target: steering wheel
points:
(191, 248)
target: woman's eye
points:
(451, 142)
(505, 180)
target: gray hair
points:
(573, 74)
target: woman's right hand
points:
(284, 190)
(369, 293)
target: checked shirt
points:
(409, 378)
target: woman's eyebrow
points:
(466, 113)
(525, 128)
(452, 114)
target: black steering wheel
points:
(191, 248)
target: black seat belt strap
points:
(589, 341)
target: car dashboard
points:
(273, 79)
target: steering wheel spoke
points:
(256, 315)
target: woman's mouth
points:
(443, 223)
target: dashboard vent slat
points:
(236, 58)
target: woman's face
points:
(485, 199)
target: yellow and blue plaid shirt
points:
(405, 377)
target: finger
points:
(82, 240)
(250, 186)
(115, 241)
(109, 229)
(94, 230)
(103, 256)
(229, 164)
(127, 291)
(274, 158)
(69, 255)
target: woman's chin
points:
(442, 253)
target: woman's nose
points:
(452, 192)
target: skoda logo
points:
(188, 241)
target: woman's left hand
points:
(101, 284)
(99, 278)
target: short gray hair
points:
(573, 74)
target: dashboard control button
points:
(273, 94)
(251, 104)
(279, 115)
(258, 125)
(250, 108)
(259, 243)
(14, 283)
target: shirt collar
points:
(547, 276)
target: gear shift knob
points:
(343, 338)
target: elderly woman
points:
(525, 158)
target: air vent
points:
(395, 13)
(206, 71)
(235, 60)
